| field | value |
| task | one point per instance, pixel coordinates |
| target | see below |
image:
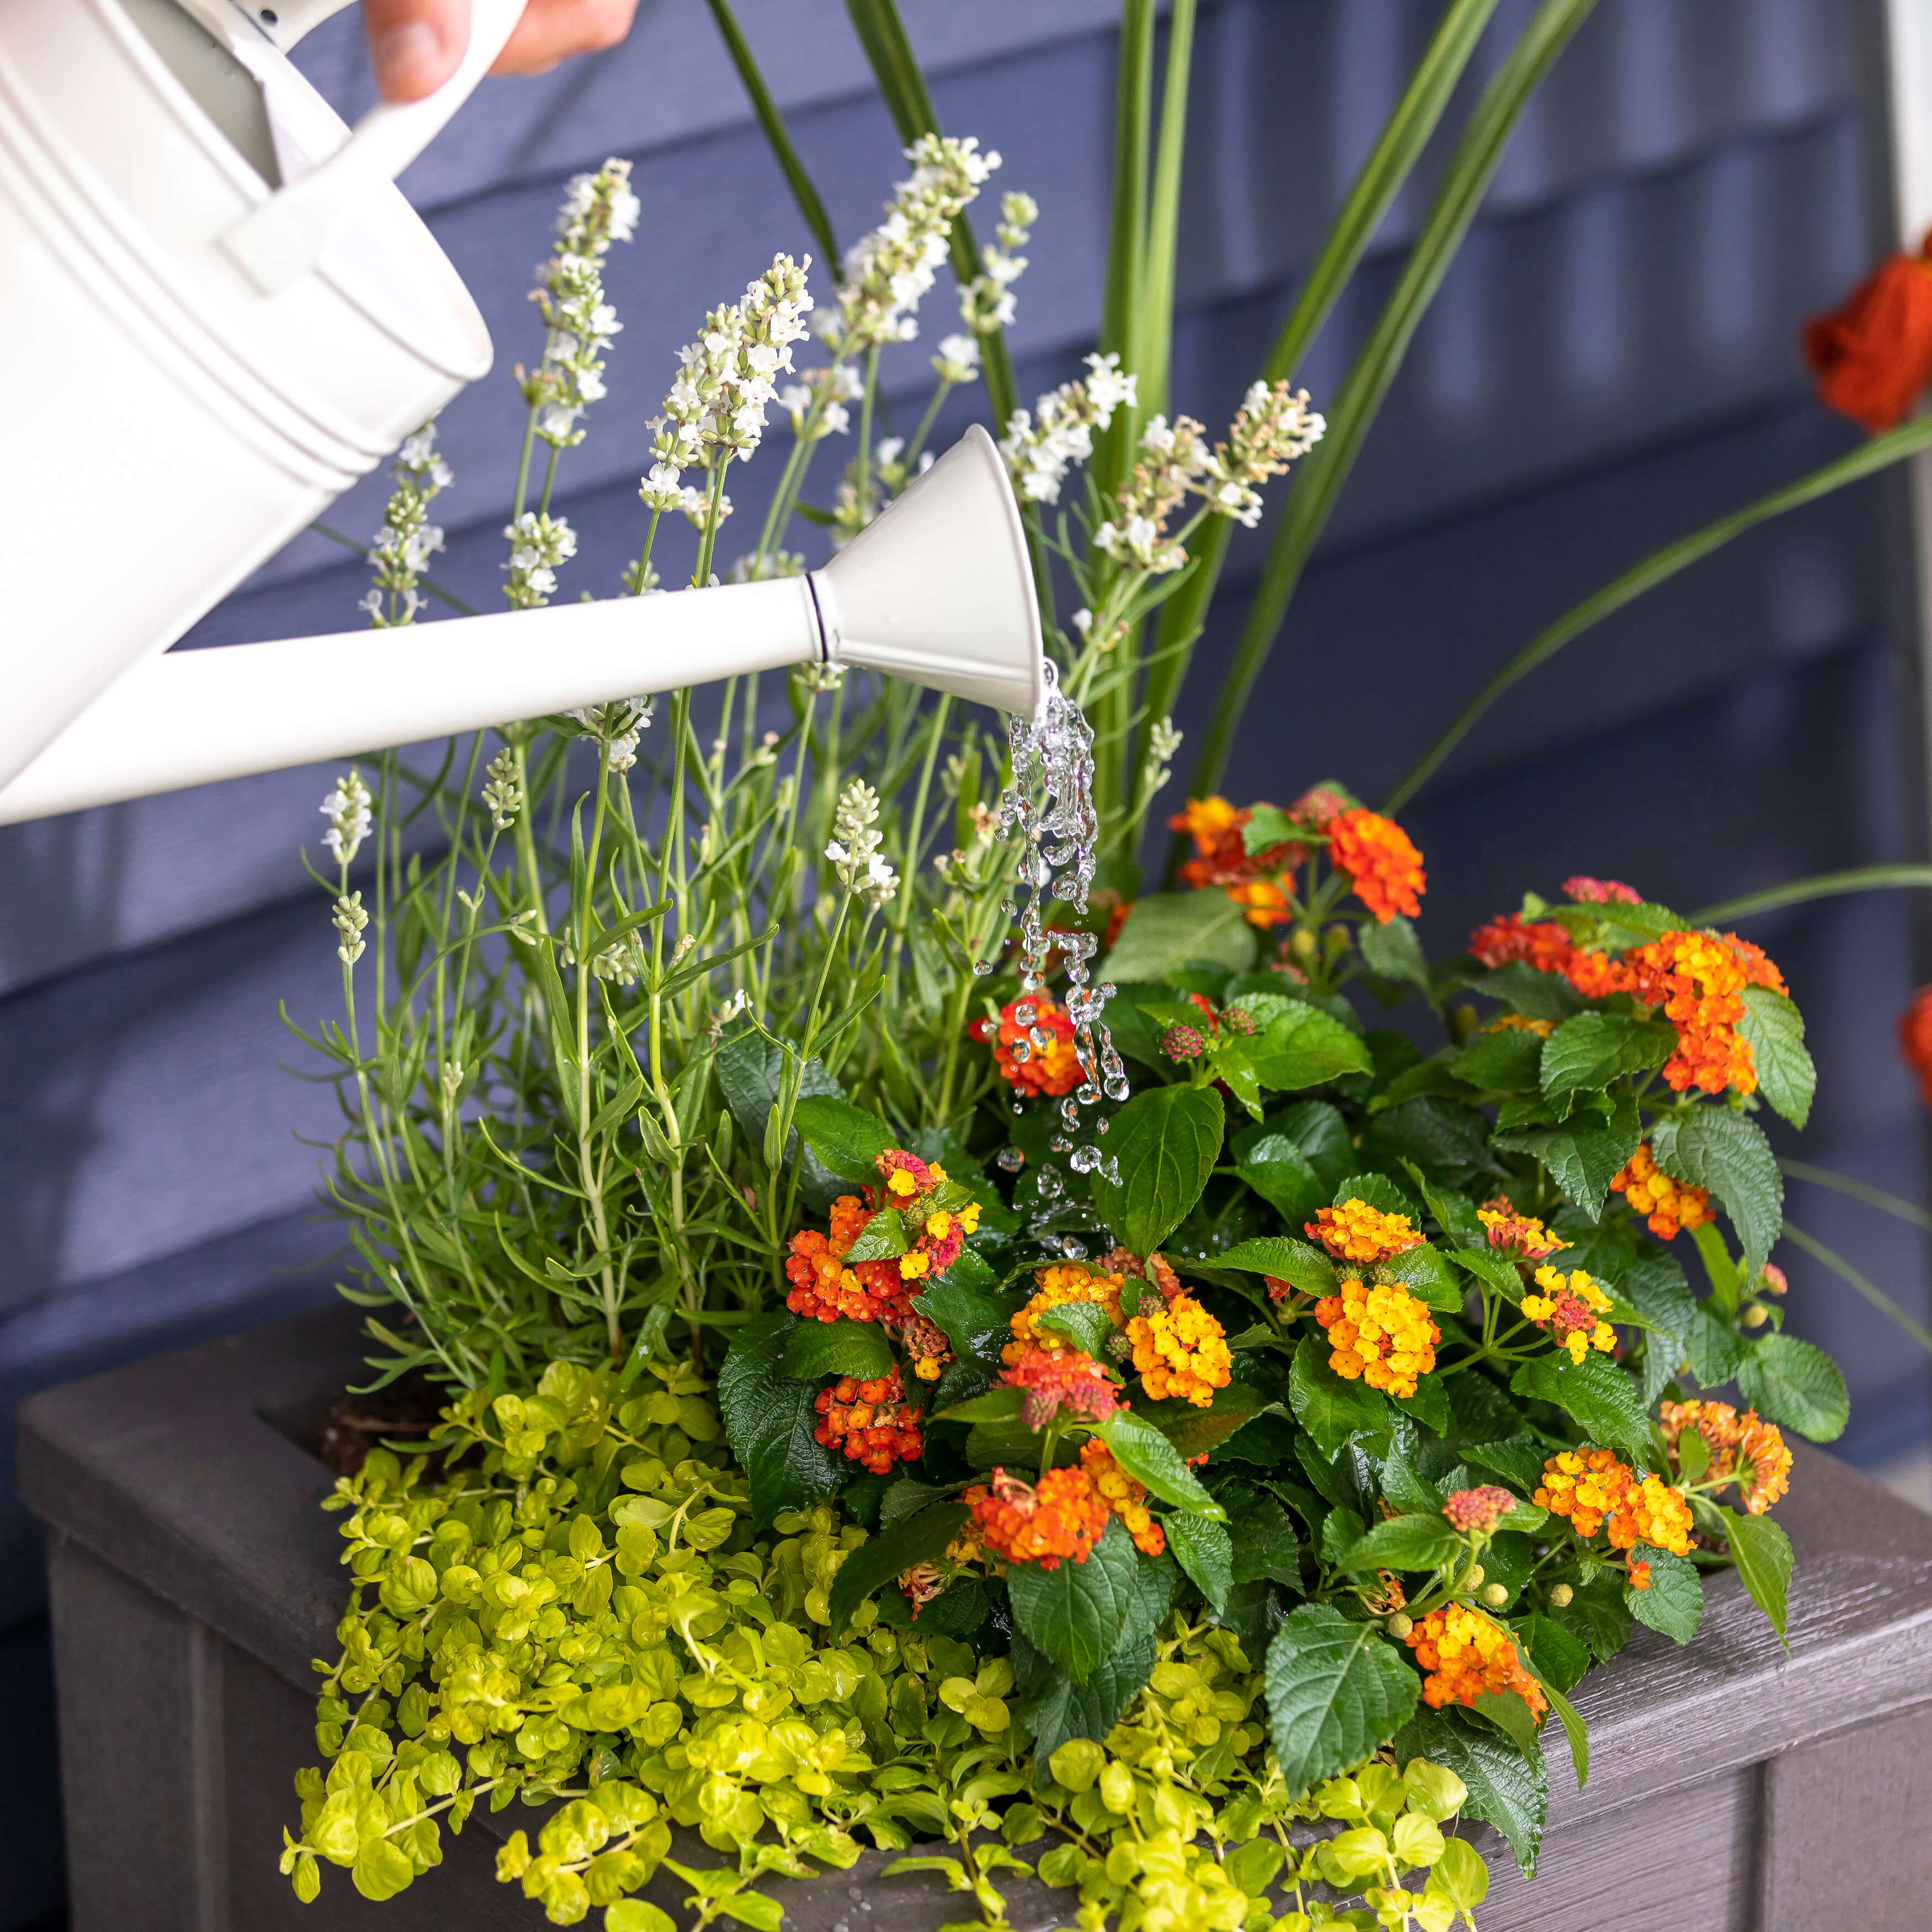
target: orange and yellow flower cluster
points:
(1743, 1449)
(1479, 1510)
(1667, 1204)
(870, 1421)
(1378, 857)
(1354, 1231)
(1571, 1308)
(1059, 1518)
(1036, 1056)
(1123, 1496)
(825, 1288)
(1466, 1655)
(1054, 1287)
(1057, 1379)
(1180, 1350)
(1592, 1488)
(1696, 979)
(1379, 1334)
(1521, 1237)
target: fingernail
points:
(409, 61)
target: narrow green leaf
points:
(1762, 1553)
(921, 1537)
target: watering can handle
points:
(279, 242)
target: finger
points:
(552, 30)
(416, 44)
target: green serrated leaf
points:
(1509, 1061)
(1762, 1553)
(1336, 1691)
(1788, 1380)
(1167, 932)
(1560, 1658)
(1715, 1148)
(1393, 952)
(1536, 995)
(1058, 1707)
(1330, 1409)
(1305, 1047)
(846, 1138)
(1774, 1030)
(1601, 1398)
(1085, 1324)
(1204, 1549)
(1295, 1262)
(1144, 1452)
(1425, 1272)
(1074, 1613)
(1583, 1159)
(1283, 1175)
(1597, 1614)
(1166, 1140)
(1504, 1789)
(1407, 1543)
(1585, 1054)
(1674, 1603)
(882, 1239)
(816, 1349)
(769, 1420)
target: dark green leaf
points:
(1166, 1140)
(1762, 1553)
(1427, 1275)
(1445, 1138)
(1146, 1455)
(1537, 995)
(1586, 1053)
(1336, 1690)
(1193, 1432)
(993, 1405)
(1712, 1345)
(1305, 1267)
(1674, 1603)
(1303, 1047)
(1518, 1461)
(1317, 1128)
(1509, 1061)
(1581, 1158)
(748, 1066)
(1505, 1790)
(971, 1318)
(1622, 925)
(1408, 1543)
(1654, 1285)
(816, 1349)
(1379, 1190)
(1074, 1613)
(1597, 1614)
(1206, 1551)
(1330, 1409)
(769, 1419)
(1492, 1269)
(907, 1497)
(1085, 1324)
(1166, 932)
(1775, 1030)
(1393, 951)
(1599, 1395)
(921, 1537)
(1265, 1541)
(1788, 1380)
(1511, 1716)
(1428, 1405)
(1713, 1147)
(1560, 1658)
(882, 1239)
(1059, 1708)
(846, 1138)
(1283, 1175)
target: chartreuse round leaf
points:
(1165, 1141)
(1336, 1691)
(1788, 1380)
(1459, 1877)
(1505, 1789)
(637, 1914)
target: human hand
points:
(416, 43)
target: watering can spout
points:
(939, 590)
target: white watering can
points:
(216, 313)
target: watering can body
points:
(220, 313)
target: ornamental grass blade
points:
(1389, 164)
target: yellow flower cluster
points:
(1570, 1308)
(1054, 1287)
(1354, 1231)
(1380, 1334)
(1180, 1350)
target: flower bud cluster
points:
(538, 543)
(617, 727)
(598, 209)
(986, 302)
(503, 790)
(854, 847)
(1174, 456)
(347, 810)
(889, 271)
(1273, 426)
(401, 550)
(1041, 448)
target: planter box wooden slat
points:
(1733, 1789)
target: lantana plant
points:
(1093, 1402)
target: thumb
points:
(416, 44)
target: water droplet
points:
(982, 967)
(1020, 1051)
(1040, 1036)
(1074, 1251)
(1025, 1012)
(1011, 1160)
(1085, 1160)
(1060, 1144)
(1117, 1089)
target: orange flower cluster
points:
(1667, 1204)
(1126, 1497)
(1479, 1509)
(1521, 1237)
(1873, 355)
(1465, 1655)
(1591, 1487)
(1521, 1023)
(825, 1289)
(1180, 1350)
(1256, 881)
(1354, 1231)
(1744, 1448)
(1025, 1062)
(870, 1421)
(1381, 862)
(1696, 979)
(1571, 1309)
(1915, 1040)
(1054, 1287)
(1015, 1522)
(1059, 1378)
(1380, 1335)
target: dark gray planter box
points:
(1733, 1789)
